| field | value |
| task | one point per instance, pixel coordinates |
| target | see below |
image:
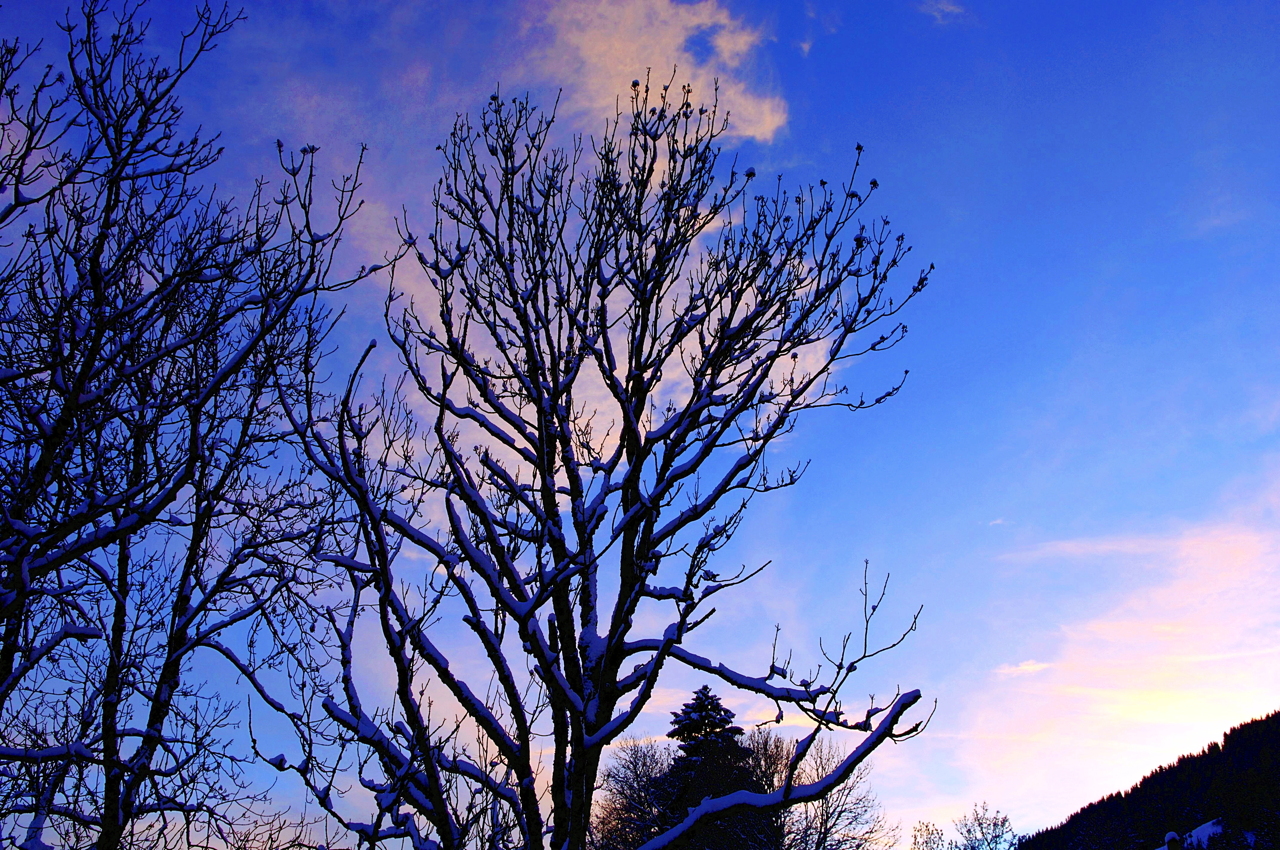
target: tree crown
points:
(704, 723)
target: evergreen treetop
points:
(703, 723)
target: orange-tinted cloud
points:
(1161, 672)
(596, 47)
(1186, 648)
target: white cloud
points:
(598, 46)
(942, 10)
(1025, 668)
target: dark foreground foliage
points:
(648, 787)
(712, 761)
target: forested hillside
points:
(1237, 780)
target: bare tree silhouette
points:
(612, 338)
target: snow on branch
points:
(793, 794)
(613, 338)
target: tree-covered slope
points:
(1237, 780)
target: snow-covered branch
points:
(148, 507)
(615, 337)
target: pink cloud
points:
(1095, 547)
(597, 47)
(1184, 648)
(1161, 672)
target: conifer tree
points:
(714, 762)
(705, 725)
(648, 785)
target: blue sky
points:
(1081, 479)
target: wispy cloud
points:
(1219, 211)
(1184, 646)
(942, 11)
(1025, 668)
(1097, 547)
(1160, 672)
(596, 47)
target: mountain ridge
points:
(1236, 780)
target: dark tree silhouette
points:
(646, 796)
(146, 510)
(984, 829)
(713, 762)
(629, 810)
(647, 786)
(980, 829)
(704, 727)
(608, 346)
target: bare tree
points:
(147, 508)
(847, 818)
(611, 340)
(927, 836)
(980, 829)
(627, 811)
(984, 829)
